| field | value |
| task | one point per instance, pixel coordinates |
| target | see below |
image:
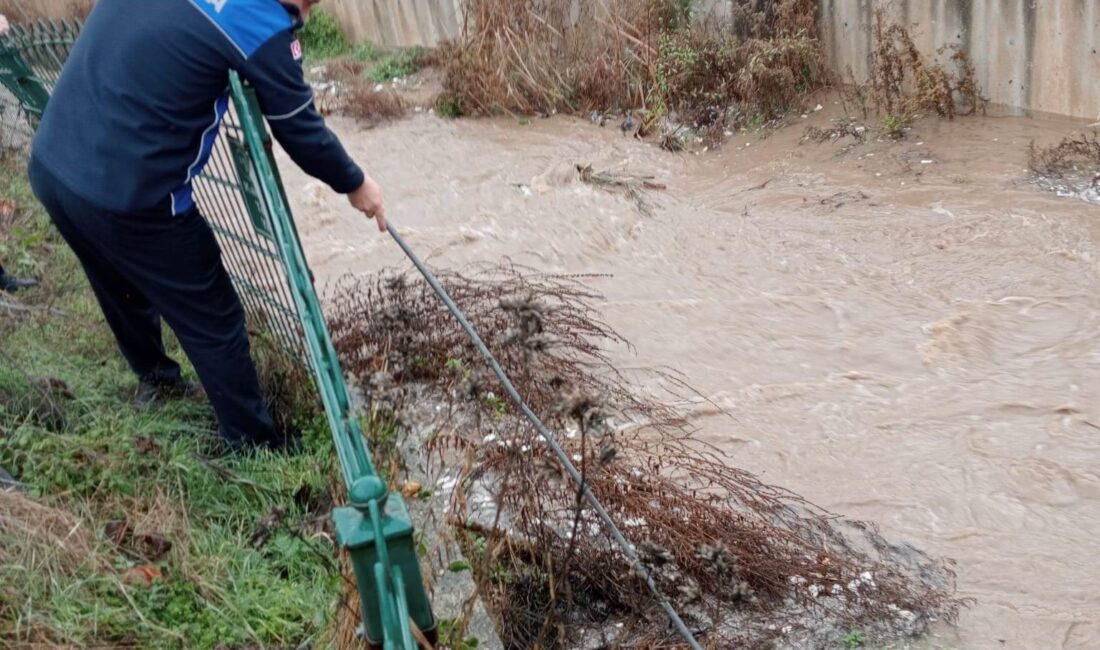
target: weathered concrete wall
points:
(1037, 55)
(399, 23)
(1032, 55)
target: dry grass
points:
(373, 106)
(42, 539)
(538, 57)
(1073, 156)
(721, 543)
(350, 93)
(37, 540)
(905, 84)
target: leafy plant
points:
(452, 635)
(322, 37)
(366, 51)
(458, 566)
(449, 105)
(894, 126)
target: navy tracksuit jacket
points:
(131, 122)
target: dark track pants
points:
(144, 267)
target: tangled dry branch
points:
(721, 543)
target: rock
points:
(8, 482)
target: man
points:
(132, 121)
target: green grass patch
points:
(366, 51)
(322, 37)
(239, 554)
(399, 64)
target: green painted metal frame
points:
(242, 196)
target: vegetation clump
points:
(905, 84)
(651, 56)
(322, 37)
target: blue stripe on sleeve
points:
(247, 24)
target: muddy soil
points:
(903, 332)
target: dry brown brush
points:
(346, 91)
(732, 553)
(541, 56)
(905, 83)
(1072, 156)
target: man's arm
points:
(275, 71)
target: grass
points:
(399, 65)
(322, 37)
(242, 558)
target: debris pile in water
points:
(743, 561)
(1069, 168)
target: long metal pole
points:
(552, 442)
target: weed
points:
(633, 186)
(366, 52)
(497, 405)
(322, 37)
(372, 106)
(399, 65)
(854, 639)
(905, 84)
(452, 636)
(458, 566)
(714, 535)
(895, 126)
(449, 105)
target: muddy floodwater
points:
(901, 333)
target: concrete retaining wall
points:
(1030, 55)
(399, 23)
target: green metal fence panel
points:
(37, 52)
(242, 197)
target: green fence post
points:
(359, 531)
(375, 529)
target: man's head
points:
(304, 6)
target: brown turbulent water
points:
(902, 333)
